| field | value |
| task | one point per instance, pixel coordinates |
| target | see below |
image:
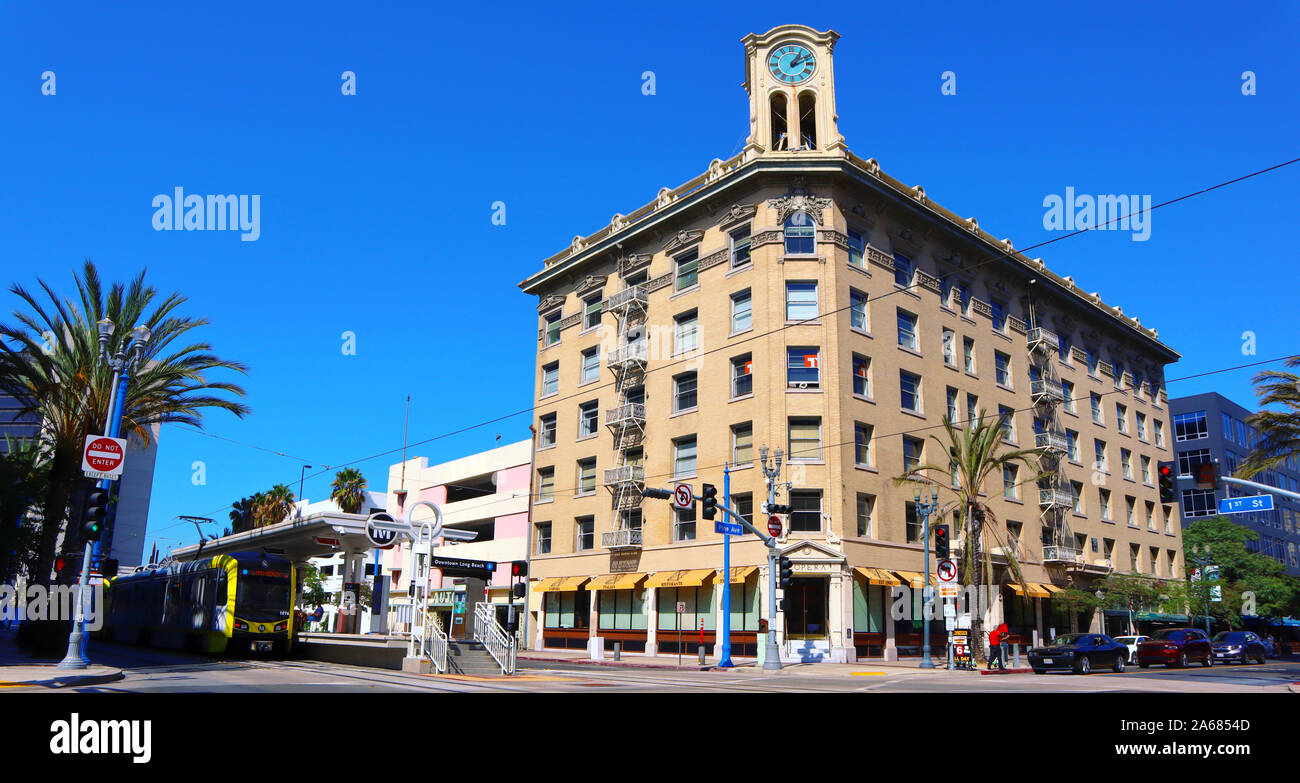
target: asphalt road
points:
(149, 670)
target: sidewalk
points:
(18, 669)
(742, 665)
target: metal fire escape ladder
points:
(1055, 497)
(627, 420)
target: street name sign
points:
(103, 457)
(1246, 504)
(683, 496)
(728, 528)
(459, 566)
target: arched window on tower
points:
(808, 120)
(800, 234)
(780, 122)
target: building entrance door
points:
(805, 609)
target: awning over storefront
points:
(616, 581)
(916, 579)
(693, 578)
(1051, 588)
(558, 584)
(1160, 617)
(878, 576)
(1035, 590)
(741, 573)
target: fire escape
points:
(627, 420)
(1055, 497)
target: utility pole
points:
(771, 472)
(724, 658)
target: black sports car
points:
(1079, 652)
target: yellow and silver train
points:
(222, 604)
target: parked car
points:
(1239, 646)
(1079, 652)
(1132, 642)
(1176, 647)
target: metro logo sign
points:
(103, 457)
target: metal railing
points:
(621, 539)
(430, 640)
(1061, 554)
(633, 353)
(627, 413)
(625, 474)
(1052, 441)
(488, 632)
(636, 294)
(1046, 389)
(1041, 337)
(1055, 498)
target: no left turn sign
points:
(946, 571)
(683, 496)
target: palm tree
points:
(243, 513)
(24, 472)
(975, 453)
(348, 490)
(50, 361)
(274, 506)
(1279, 430)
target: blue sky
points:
(376, 208)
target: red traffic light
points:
(1166, 469)
(59, 563)
(519, 568)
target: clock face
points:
(791, 63)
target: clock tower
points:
(790, 79)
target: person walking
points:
(1004, 635)
(995, 647)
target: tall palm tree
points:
(974, 454)
(275, 505)
(1279, 430)
(243, 513)
(50, 362)
(348, 490)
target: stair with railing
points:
(498, 644)
(429, 641)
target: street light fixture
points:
(924, 510)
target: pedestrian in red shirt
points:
(995, 647)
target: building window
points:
(1130, 510)
(1225, 424)
(545, 483)
(1002, 368)
(858, 310)
(801, 300)
(685, 392)
(915, 534)
(688, 269)
(1126, 463)
(999, 315)
(546, 431)
(685, 332)
(1151, 515)
(912, 453)
(684, 524)
(553, 328)
(1118, 368)
(742, 375)
(1103, 497)
(805, 438)
(742, 443)
(909, 388)
(744, 503)
(903, 270)
(972, 410)
(591, 312)
(866, 507)
(550, 379)
(968, 354)
(862, 444)
(586, 530)
(1076, 494)
(857, 248)
(1121, 418)
(1096, 408)
(1190, 426)
(952, 405)
(1072, 445)
(590, 364)
(1067, 391)
(949, 347)
(1142, 426)
(1063, 347)
(1008, 418)
(742, 311)
(1099, 452)
(543, 538)
(684, 456)
(740, 247)
(861, 375)
(807, 515)
(1146, 469)
(1160, 432)
(803, 368)
(907, 330)
(800, 234)
(1188, 460)
(1010, 479)
(588, 418)
(1093, 360)
(587, 476)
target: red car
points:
(1176, 647)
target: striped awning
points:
(558, 584)
(740, 573)
(689, 578)
(1035, 590)
(878, 576)
(916, 579)
(615, 581)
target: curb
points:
(621, 664)
(1005, 671)
(72, 681)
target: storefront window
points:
(622, 610)
(868, 607)
(568, 610)
(699, 606)
(744, 606)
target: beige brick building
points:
(797, 297)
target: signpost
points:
(382, 530)
(683, 496)
(774, 526)
(459, 566)
(681, 609)
(1246, 504)
(961, 651)
(103, 457)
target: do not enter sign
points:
(774, 527)
(103, 457)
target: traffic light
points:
(517, 590)
(779, 509)
(59, 563)
(1207, 475)
(786, 571)
(1165, 473)
(941, 542)
(709, 499)
(108, 567)
(518, 568)
(96, 510)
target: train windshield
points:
(262, 597)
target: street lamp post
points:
(772, 653)
(122, 364)
(1201, 557)
(301, 476)
(925, 509)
